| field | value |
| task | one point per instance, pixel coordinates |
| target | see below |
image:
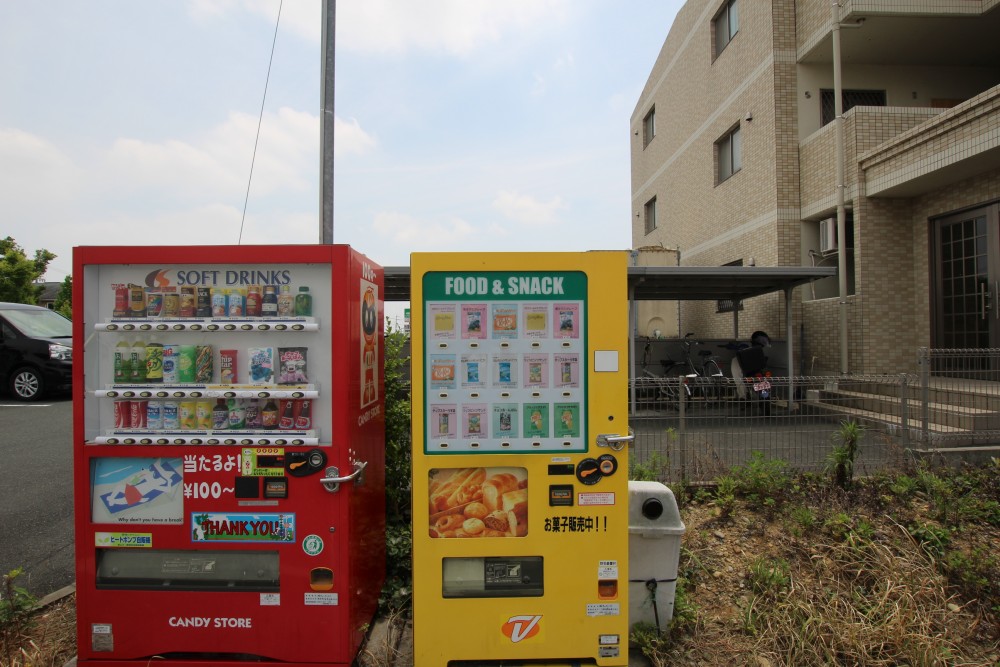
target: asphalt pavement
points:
(36, 492)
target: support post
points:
(328, 42)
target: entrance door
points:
(967, 277)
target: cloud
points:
(350, 138)
(456, 27)
(416, 234)
(528, 210)
(218, 163)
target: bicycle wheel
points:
(714, 379)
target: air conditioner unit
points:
(828, 235)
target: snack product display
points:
(478, 502)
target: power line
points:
(260, 120)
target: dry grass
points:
(49, 641)
(859, 589)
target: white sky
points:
(461, 124)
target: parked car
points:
(36, 351)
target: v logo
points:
(522, 627)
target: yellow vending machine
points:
(520, 458)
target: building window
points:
(729, 152)
(726, 24)
(650, 211)
(649, 127)
(849, 99)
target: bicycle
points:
(704, 379)
(653, 389)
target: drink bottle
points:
(123, 362)
(303, 302)
(254, 297)
(286, 302)
(269, 303)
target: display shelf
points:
(212, 324)
(208, 437)
(207, 391)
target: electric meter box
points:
(520, 459)
(654, 546)
(228, 442)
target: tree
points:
(18, 274)
(64, 300)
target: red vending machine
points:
(229, 453)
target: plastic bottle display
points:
(254, 419)
(287, 420)
(303, 420)
(137, 363)
(123, 362)
(253, 305)
(303, 302)
(269, 415)
(286, 302)
(220, 415)
(237, 414)
(269, 302)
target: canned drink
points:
(186, 361)
(187, 302)
(138, 413)
(136, 301)
(154, 304)
(203, 302)
(204, 367)
(154, 415)
(171, 418)
(154, 362)
(219, 306)
(204, 413)
(121, 302)
(171, 304)
(188, 415)
(171, 353)
(123, 414)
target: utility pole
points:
(841, 185)
(326, 117)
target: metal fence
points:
(699, 428)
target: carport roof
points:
(683, 283)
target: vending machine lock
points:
(301, 464)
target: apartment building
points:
(734, 161)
